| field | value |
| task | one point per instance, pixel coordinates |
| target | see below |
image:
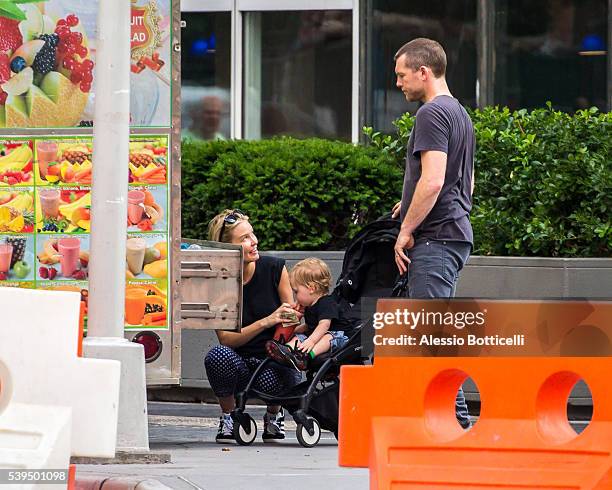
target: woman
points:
(266, 298)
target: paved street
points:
(187, 431)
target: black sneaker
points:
(284, 354)
(274, 426)
(226, 430)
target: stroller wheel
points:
(304, 437)
(242, 436)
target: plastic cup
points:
(46, 152)
(6, 253)
(284, 333)
(135, 253)
(69, 250)
(49, 202)
(135, 206)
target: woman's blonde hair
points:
(311, 273)
(215, 227)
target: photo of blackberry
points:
(44, 62)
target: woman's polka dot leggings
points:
(229, 373)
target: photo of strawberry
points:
(10, 36)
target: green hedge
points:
(300, 194)
(543, 181)
(543, 185)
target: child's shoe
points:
(286, 355)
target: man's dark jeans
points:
(433, 273)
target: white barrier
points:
(38, 347)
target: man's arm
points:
(433, 170)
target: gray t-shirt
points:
(443, 125)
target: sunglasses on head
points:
(230, 219)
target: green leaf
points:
(11, 11)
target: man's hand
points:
(396, 209)
(404, 242)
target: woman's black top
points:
(259, 299)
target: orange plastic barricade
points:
(71, 477)
(398, 418)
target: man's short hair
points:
(424, 52)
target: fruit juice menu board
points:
(48, 56)
(45, 220)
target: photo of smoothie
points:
(69, 250)
(6, 254)
(136, 207)
(50, 202)
(147, 208)
(135, 254)
(46, 152)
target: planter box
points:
(483, 277)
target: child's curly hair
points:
(311, 272)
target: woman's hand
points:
(280, 315)
(299, 310)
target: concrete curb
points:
(117, 483)
(126, 458)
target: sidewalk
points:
(187, 432)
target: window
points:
(206, 75)
(298, 74)
(392, 23)
(551, 50)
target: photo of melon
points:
(46, 70)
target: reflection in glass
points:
(297, 74)
(391, 24)
(206, 75)
(551, 50)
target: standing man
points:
(435, 238)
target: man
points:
(206, 119)
(435, 238)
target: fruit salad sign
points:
(47, 60)
(45, 220)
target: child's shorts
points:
(338, 339)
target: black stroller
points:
(368, 270)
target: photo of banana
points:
(16, 160)
(16, 211)
(61, 210)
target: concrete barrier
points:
(483, 277)
(38, 347)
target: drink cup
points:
(135, 304)
(49, 202)
(135, 206)
(284, 333)
(46, 152)
(135, 253)
(69, 250)
(6, 253)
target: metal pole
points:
(110, 171)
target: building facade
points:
(260, 68)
